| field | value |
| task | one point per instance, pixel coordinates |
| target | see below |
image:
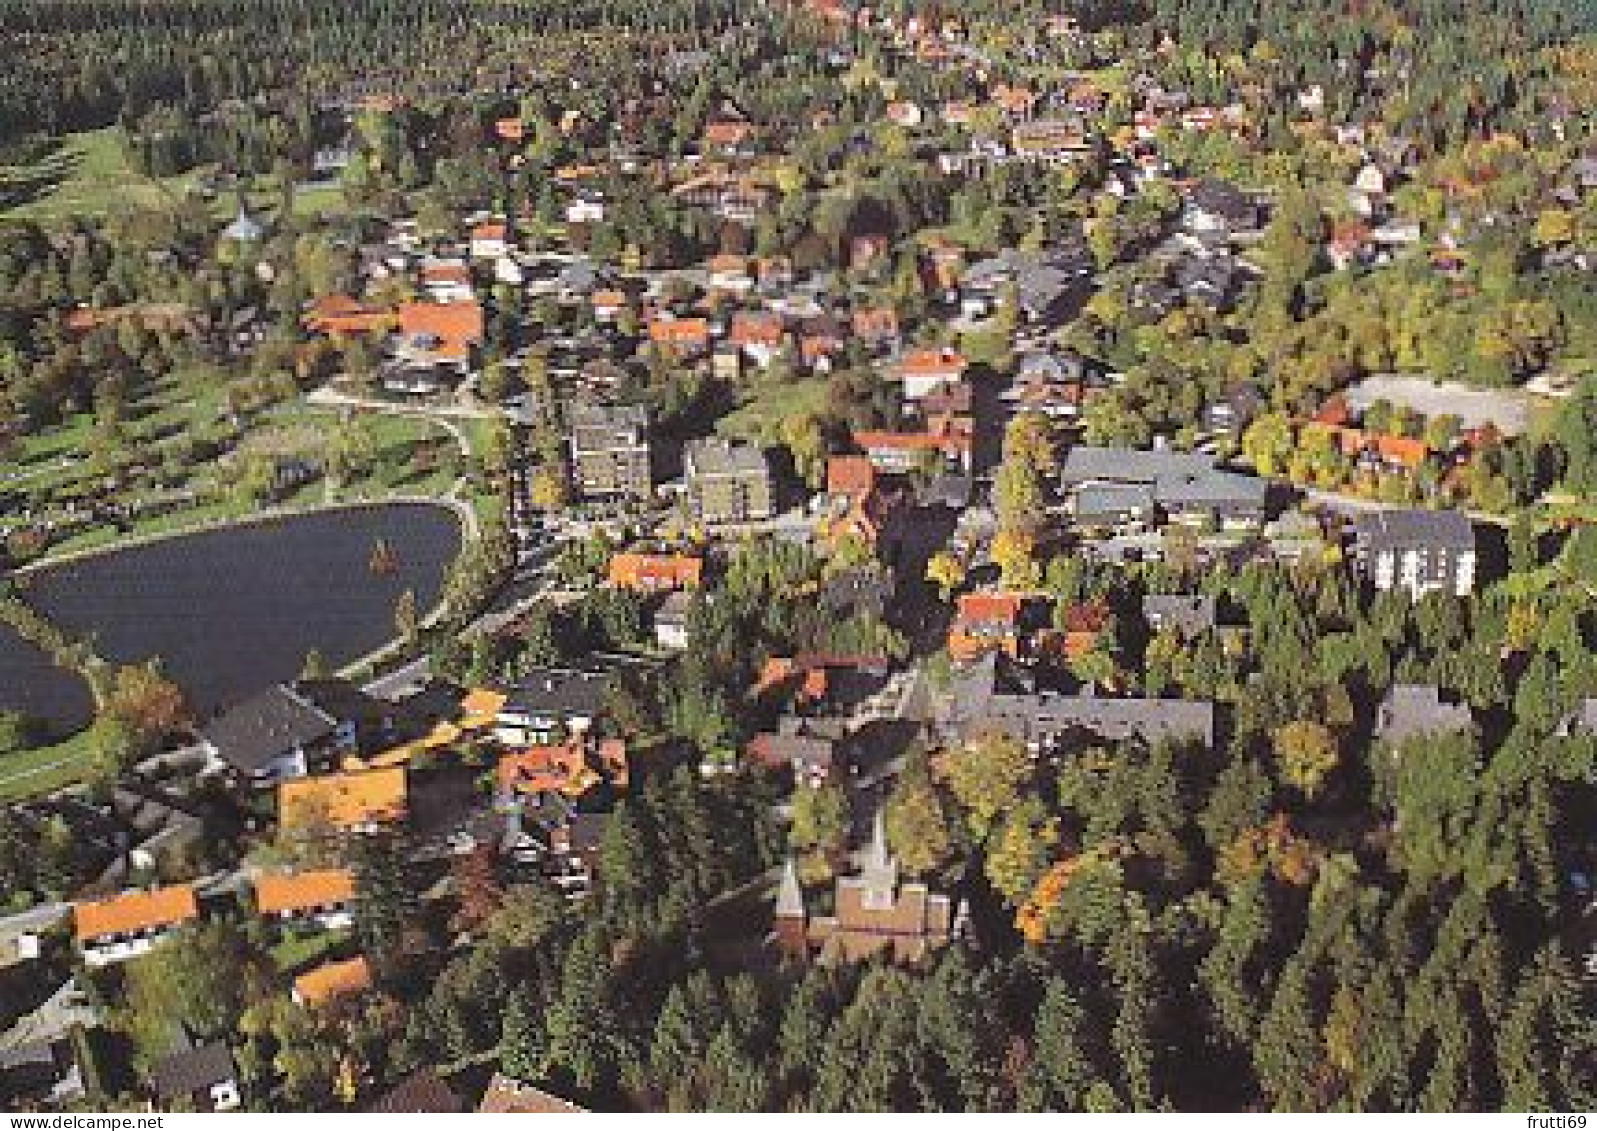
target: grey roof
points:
(557, 691)
(1084, 462)
(266, 726)
(975, 704)
(1398, 530)
(675, 608)
(187, 1071)
(1214, 488)
(716, 455)
(1174, 479)
(868, 587)
(1412, 709)
(601, 428)
(1224, 199)
(1097, 500)
(789, 893)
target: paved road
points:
(1353, 504)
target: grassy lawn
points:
(29, 773)
(89, 174)
(86, 173)
(295, 951)
(766, 406)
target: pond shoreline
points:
(463, 512)
(254, 596)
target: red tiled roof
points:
(932, 361)
(135, 911)
(653, 572)
(756, 329)
(679, 331)
(277, 892)
(850, 475)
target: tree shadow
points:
(52, 166)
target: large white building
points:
(1418, 552)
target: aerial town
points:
(798, 557)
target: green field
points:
(29, 773)
(88, 174)
(85, 173)
(767, 405)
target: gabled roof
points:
(679, 331)
(1415, 528)
(422, 1091)
(987, 608)
(277, 892)
(850, 475)
(135, 911)
(932, 362)
(265, 726)
(333, 979)
(560, 691)
(456, 326)
(191, 1070)
(509, 1096)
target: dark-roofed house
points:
(1214, 204)
(1041, 720)
(1412, 710)
(1115, 486)
(813, 757)
(422, 1091)
(203, 1078)
(1415, 551)
(548, 704)
(275, 735)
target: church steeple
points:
(790, 924)
(789, 894)
(878, 871)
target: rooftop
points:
(136, 911)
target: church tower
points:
(791, 923)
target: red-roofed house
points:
(986, 622)
(877, 327)
(441, 331)
(655, 573)
(727, 136)
(949, 438)
(921, 371)
(490, 241)
(759, 334)
(680, 337)
(340, 314)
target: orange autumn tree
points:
(1035, 915)
(1290, 858)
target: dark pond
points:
(231, 611)
(30, 683)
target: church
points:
(872, 914)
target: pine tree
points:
(521, 1036)
(1061, 1068)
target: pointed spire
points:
(789, 895)
(878, 850)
